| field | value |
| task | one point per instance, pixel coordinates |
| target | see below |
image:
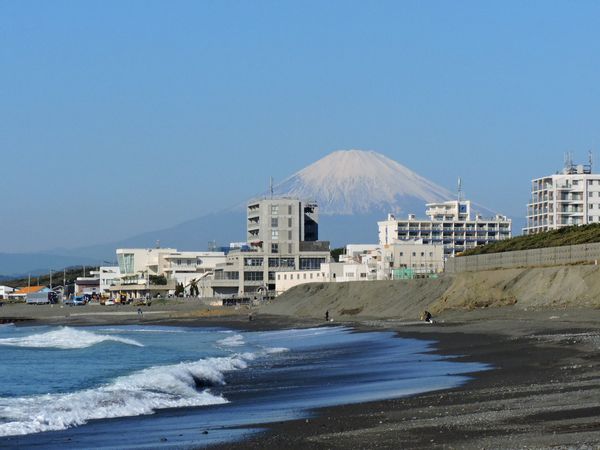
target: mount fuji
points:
(353, 188)
(362, 182)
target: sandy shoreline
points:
(544, 392)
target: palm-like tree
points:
(193, 285)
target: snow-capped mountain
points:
(360, 182)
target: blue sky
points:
(121, 117)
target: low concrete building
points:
(328, 273)
(5, 291)
(403, 259)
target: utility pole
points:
(64, 282)
(50, 279)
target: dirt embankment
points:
(527, 288)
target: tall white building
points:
(450, 224)
(571, 197)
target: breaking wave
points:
(65, 338)
(232, 341)
(140, 393)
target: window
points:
(285, 277)
(290, 210)
(278, 276)
(290, 248)
(289, 222)
(282, 262)
(575, 182)
(253, 276)
(274, 234)
(430, 254)
(311, 275)
(401, 253)
(414, 253)
(253, 262)
(590, 194)
(289, 235)
(311, 263)
(274, 210)
(274, 222)
(274, 248)
(304, 276)
(422, 253)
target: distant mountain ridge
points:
(354, 189)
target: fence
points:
(551, 256)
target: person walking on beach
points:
(139, 312)
(327, 316)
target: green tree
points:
(194, 291)
(157, 280)
(179, 289)
(336, 252)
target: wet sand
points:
(543, 393)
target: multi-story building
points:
(571, 197)
(137, 266)
(282, 235)
(450, 224)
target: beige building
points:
(282, 235)
(411, 257)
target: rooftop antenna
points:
(459, 189)
(271, 186)
(590, 159)
(158, 243)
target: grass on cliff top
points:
(583, 234)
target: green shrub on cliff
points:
(583, 234)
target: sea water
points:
(149, 386)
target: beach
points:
(543, 391)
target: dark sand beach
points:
(543, 393)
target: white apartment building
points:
(109, 276)
(137, 265)
(571, 197)
(450, 224)
(186, 266)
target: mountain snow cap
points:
(357, 181)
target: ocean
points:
(188, 387)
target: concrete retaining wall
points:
(552, 256)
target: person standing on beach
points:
(327, 316)
(139, 311)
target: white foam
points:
(65, 338)
(232, 341)
(140, 393)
